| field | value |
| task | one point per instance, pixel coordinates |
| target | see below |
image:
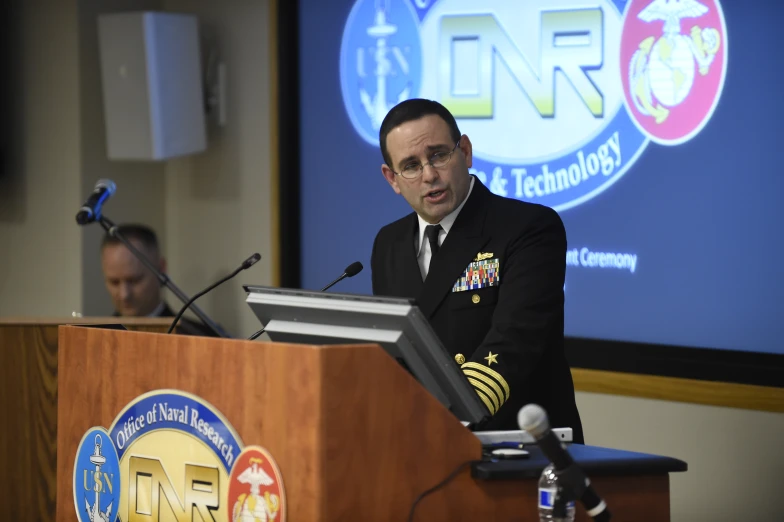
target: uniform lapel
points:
(406, 266)
(461, 245)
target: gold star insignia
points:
(491, 358)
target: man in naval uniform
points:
(487, 271)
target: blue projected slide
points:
(654, 128)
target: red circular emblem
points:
(673, 64)
(256, 491)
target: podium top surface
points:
(65, 320)
(593, 460)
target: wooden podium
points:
(355, 436)
(28, 407)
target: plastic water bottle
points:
(548, 484)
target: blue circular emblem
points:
(536, 86)
(380, 62)
(177, 411)
(96, 484)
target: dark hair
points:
(141, 233)
(411, 110)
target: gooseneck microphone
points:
(252, 260)
(533, 419)
(91, 210)
(350, 271)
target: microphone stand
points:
(570, 489)
(560, 501)
(111, 229)
(333, 283)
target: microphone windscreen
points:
(353, 269)
(533, 419)
(252, 260)
(107, 184)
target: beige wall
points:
(734, 456)
(48, 264)
(218, 203)
(40, 248)
(211, 210)
(140, 185)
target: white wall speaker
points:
(152, 85)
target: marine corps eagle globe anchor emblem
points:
(662, 71)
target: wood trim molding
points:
(745, 396)
(56, 321)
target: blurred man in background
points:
(134, 289)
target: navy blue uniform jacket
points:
(507, 337)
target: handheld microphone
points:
(91, 210)
(252, 260)
(533, 419)
(350, 271)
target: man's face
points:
(135, 290)
(437, 191)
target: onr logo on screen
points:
(559, 97)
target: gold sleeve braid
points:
(490, 385)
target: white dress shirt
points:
(423, 247)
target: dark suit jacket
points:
(520, 319)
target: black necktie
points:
(431, 231)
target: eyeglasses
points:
(438, 160)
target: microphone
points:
(252, 260)
(91, 210)
(350, 271)
(533, 419)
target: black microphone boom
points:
(533, 419)
(91, 210)
(350, 271)
(252, 260)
